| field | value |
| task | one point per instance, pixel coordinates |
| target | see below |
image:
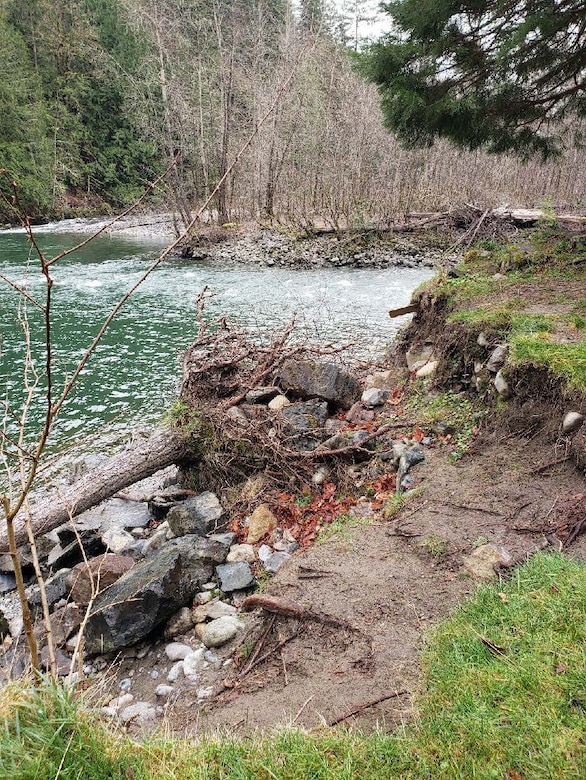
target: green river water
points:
(133, 375)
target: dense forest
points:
(97, 97)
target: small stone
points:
(209, 586)
(278, 403)
(263, 552)
(262, 522)
(139, 713)
(219, 632)
(194, 663)
(204, 597)
(427, 370)
(572, 422)
(226, 539)
(177, 651)
(498, 358)
(320, 475)
(220, 609)
(175, 672)
(197, 515)
(241, 552)
(157, 540)
(120, 701)
(482, 341)
(237, 416)
(358, 415)
(163, 691)
(374, 397)
(501, 385)
(213, 659)
(234, 576)
(125, 684)
(154, 674)
(205, 693)
(484, 560)
(116, 539)
(274, 562)
(261, 395)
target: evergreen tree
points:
(24, 146)
(505, 75)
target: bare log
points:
(160, 450)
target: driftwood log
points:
(160, 450)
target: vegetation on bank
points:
(504, 696)
(529, 293)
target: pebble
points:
(205, 693)
(481, 562)
(234, 576)
(204, 597)
(428, 370)
(154, 674)
(164, 691)
(120, 701)
(264, 552)
(274, 561)
(278, 403)
(501, 385)
(125, 684)
(572, 422)
(140, 713)
(241, 552)
(374, 396)
(175, 672)
(177, 651)
(219, 632)
(195, 663)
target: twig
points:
(303, 706)
(367, 706)
(551, 463)
(258, 647)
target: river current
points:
(133, 375)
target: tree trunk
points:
(160, 450)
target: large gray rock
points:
(151, 592)
(304, 422)
(309, 379)
(198, 515)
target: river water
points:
(133, 375)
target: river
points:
(133, 375)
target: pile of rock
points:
(131, 568)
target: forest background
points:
(97, 97)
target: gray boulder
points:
(305, 422)
(152, 591)
(308, 379)
(198, 515)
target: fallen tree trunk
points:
(160, 450)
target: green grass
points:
(342, 528)
(565, 360)
(485, 713)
